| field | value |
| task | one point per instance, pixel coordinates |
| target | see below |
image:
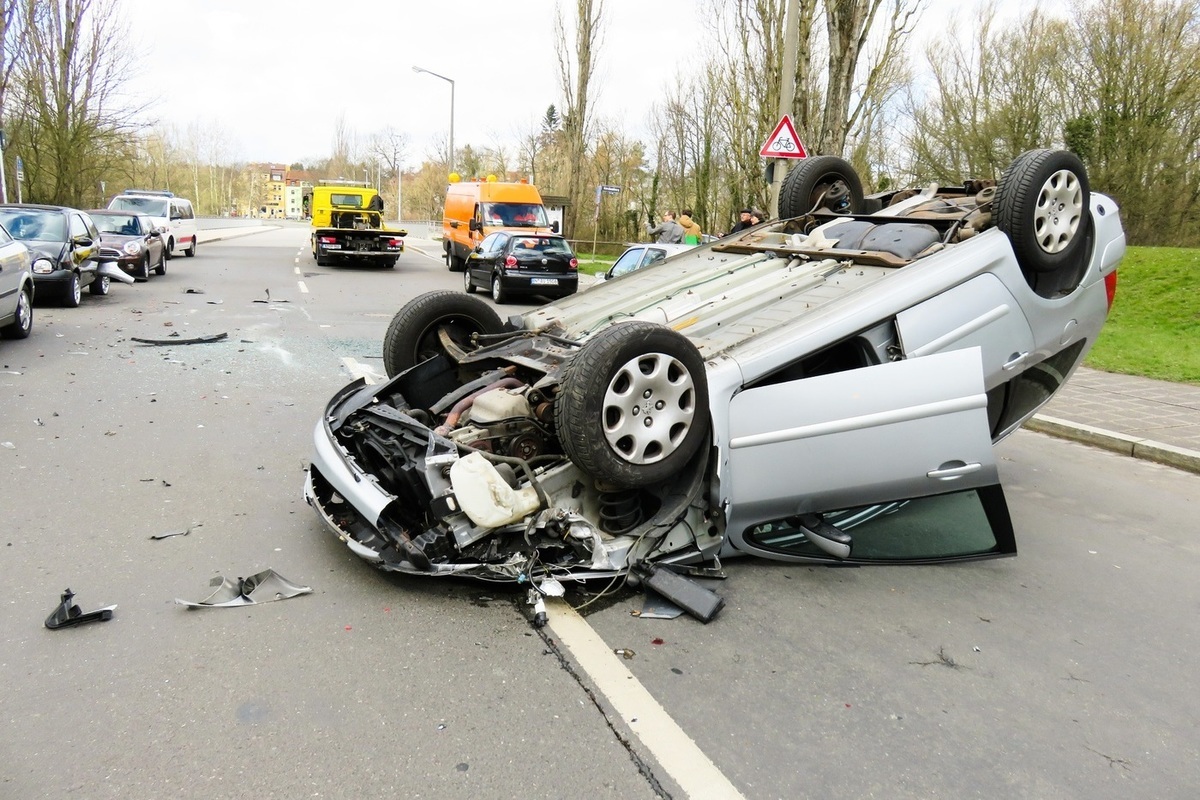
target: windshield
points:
(515, 215)
(154, 206)
(33, 225)
(124, 225)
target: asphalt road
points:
(1066, 672)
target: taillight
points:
(574, 263)
(395, 242)
(1110, 287)
(327, 239)
(511, 261)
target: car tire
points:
(191, 251)
(499, 294)
(1042, 204)
(72, 292)
(810, 184)
(414, 333)
(161, 269)
(144, 270)
(22, 324)
(99, 285)
(169, 249)
(468, 286)
(453, 262)
(624, 375)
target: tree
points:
(575, 68)
(71, 126)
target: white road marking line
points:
(674, 749)
(298, 272)
(358, 370)
(303, 287)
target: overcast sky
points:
(276, 74)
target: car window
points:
(123, 225)
(154, 206)
(946, 526)
(653, 256)
(32, 225)
(488, 244)
(533, 246)
(4, 237)
(630, 260)
(78, 226)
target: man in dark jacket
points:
(743, 223)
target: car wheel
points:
(99, 285)
(456, 264)
(1042, 204)
(191, 251)
(632, 407)
(821, 181)
(468, 286)
(72, 292)
(170, 249)
(498, 293)
(416, 330)
(161, 269)
(20, 327)
(144, 271)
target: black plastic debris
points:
(693, 598)
(263, 587)
(217, 337)
(68, 614)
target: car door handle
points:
(1015, 360)
(948, 472)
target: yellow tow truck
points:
(348, 226)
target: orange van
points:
(475, 209)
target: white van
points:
(173, 214)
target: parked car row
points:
(52, 253)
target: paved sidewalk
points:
(1141, 417)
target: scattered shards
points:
(191, 290)
(216, 337)
(11, 372)
(268, 298)
(38, 421)
(68, 614)
(215, 302)
(625, 653)
(8, 445)
(655, 606)
(263, 587)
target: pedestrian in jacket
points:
(691, 230)
(669, 232)
(743, 222)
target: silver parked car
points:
(637, 256)
(825, 388)
(16, 288)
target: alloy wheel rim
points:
(648, 408)
(1058, 212)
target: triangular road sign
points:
(784, 142)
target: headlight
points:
(132, 248)
(42, 266)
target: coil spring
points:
(620, 512)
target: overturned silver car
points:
(824, 388)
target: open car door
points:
(882, 464)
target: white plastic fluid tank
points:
(485, 497)
(499, 404)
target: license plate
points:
(544, 281)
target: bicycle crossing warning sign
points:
(784, 142)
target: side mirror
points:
(475, 225)
(83, 240)
(154, 233)
(554, 226)
(478, 249)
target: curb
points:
(220, 234)
(1145, 449)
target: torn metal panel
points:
(262, 587)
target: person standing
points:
(743, 222)
(757, 217)
(669, 231)
(691, 229)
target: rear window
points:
(346, 200)
(541, 245)
(153, 206)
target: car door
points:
(903, 442)
(83, 242)
(482, 258)
(12, 265)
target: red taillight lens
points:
(511, 261)
(327, 239)
(395, 242)
(574, 263)
(1110, 286)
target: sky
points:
(275, 76)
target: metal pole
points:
(451, 82)
(3, 182)
(787, 89)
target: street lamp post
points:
(451, 82)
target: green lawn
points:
(1154, 327)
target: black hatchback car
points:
(65, 247)
(512, 263)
